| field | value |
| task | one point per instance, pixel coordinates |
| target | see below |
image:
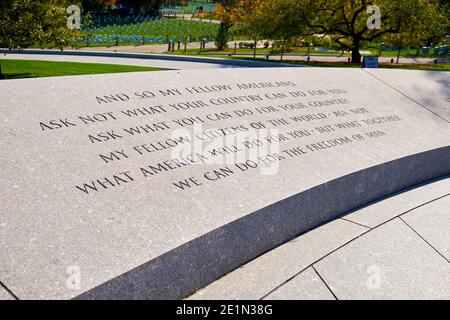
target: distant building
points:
(202, 5)
(189, 7)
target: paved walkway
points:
(178, 62)
(397, 248)
(163, 48)
(148, 48)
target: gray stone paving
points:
(432, 222)
(259, 277)
(306, 286)
(390, 262)
(4, 295)
(404, 255)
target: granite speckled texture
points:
(260, 276)
(147, 238)
(431, 89)
(432, 222)
(390, 262)
(356, 263)
(306, 286)
(383, 210)
(4, 295)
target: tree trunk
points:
(356, 56)
(1, 74)
(282, 50)
(398, 53)
(254, 50)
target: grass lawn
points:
(16, 69)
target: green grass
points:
(15, 69)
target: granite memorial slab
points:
(428, 88)
(152, 185)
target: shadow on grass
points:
(9, 76)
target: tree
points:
(249, 16)
(429, 30)
(25, 22)
(346, 21)
(283, 23)
(221, 39)
(97, 5)
(225, 12)
(254, 25)
(150, 7)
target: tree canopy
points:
(136, 6)
(26, 22)
(348, 22)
